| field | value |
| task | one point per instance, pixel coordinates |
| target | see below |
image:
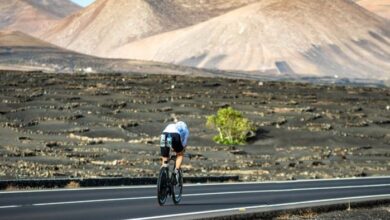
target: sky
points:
(83, 2)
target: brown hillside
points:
(19, 51)
(31, 16)
(108, 24)
(379, 7)
(19, 39)
(319, 37)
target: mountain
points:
(379, 7)
(31, 16)
(11, 39)
(19, 51)
(295, 37)
(22, 52)
(107, 24)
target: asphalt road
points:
(198, 200)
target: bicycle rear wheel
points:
(177, 188)
(162, 185)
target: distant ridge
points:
(33, 16)
(295, 37)
(379, 7)
(19, 39)
(107, 24)
(22, 52)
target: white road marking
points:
(287, 190)
(263, 206)
(212, 193)
(196, 184)
(93, 201)
(79, 189)
(292, 181)
(10, 206)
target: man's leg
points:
(179, 159)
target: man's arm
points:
(185, 139)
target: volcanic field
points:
(108, 125)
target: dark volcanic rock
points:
(24, 139)
(115, 105)
(73, 117)
(238, 152)
(52, 144)
(382, 122)
(318, 163)
(91, 125)
(129, 125)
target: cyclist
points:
(175, 135)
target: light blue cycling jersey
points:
(181, 129)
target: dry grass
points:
(283, 216)
(72, 185)
(19, 188)
(306, 214)
(309, 214)
(12, 188)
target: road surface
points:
(140, 202)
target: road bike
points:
(168, 184)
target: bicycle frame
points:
(166, 184)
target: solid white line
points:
(10, 206)
(263, 206)
(93, 201)
(196, 184)
(293, 181)
(287, 190)
(215, 193)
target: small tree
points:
(232, 126)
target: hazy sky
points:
(83, 2)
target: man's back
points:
(181, 129)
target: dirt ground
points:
(108, 125)
(375, 213)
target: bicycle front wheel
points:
(177, 188)
(162, 185)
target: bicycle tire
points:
(177, 190)
(162, 182)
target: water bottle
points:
(169, 140)
(162, 140)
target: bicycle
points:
(167, 183)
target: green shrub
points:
(232, 126)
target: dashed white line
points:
(93, 201)
(209, 194)
(281, 205)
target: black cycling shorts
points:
(176, 144)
